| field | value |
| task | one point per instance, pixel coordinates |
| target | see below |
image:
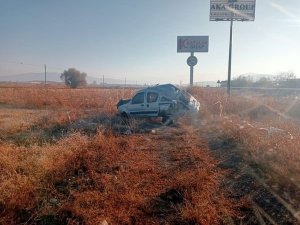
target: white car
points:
(158, 101)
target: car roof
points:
(167, 90)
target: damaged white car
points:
(158, 101)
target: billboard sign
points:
(238, 10)
(192, 43)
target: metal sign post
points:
(229, 60)
(192, 44)
(191, 75)
(192, 61)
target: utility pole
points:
(125, 81)
(103, 80)
(45, 74)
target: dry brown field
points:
(67, 158)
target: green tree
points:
(73, 78)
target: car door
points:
(152, 103)
(136, 107)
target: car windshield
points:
(138, 98)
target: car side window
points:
(152, 97)
(138, 98)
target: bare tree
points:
(73, 78)
(283, 76)
(285, 79)
(242, 81)
(264, 82)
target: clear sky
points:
(136, 39)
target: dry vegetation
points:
(162, 177)
(263, 124)
(53, 173)
(264, 132)
(65, 98)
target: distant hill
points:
(55, 77)
(31, 77)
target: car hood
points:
(123, 102)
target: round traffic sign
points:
(192, 60)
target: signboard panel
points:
(239, 10)
(192, 43)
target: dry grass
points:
(45, 107)
(118, 179)
(52, 97)
(138, 179)
(14, 120)
(263, 126)
(273, 152)
(158, 178)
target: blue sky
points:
(136, 39)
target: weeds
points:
(105, 177)
(263, 128)
(75, 100)
(138, 179)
